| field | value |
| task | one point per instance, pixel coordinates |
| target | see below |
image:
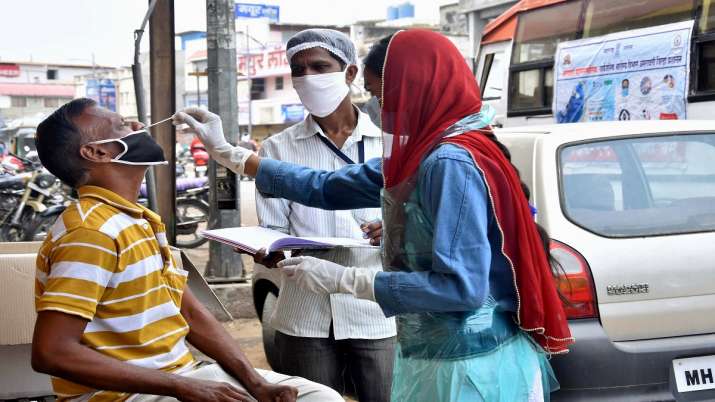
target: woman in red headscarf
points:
(466, 272)
(433, 121)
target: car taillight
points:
(574, 282)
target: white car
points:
(630, 208)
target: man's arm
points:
(211, 338)
(57, 350)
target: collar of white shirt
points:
(365, 127)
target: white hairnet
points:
(333, 41)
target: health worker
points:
(466, 270)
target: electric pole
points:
(224, 264)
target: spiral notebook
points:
(251, 239)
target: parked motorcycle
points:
(24, 211)
(31, 202)
(192, 210)
(12, 188)
(200, 157)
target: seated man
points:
(114, 313)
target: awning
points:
(44, 90)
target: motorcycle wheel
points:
(37, 229)
(192, 217)
(16, 232)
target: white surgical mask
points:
(321, 94)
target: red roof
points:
(198, 55)
(504, 26)
(61, 91)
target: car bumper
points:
(598, 369)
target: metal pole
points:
(141, 101)
(250, 83)
(224, 264)
(198, 86)
(163, 104)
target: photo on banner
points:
(632, 75)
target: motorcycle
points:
(24, 211)
(12, 187)
(192, 210)
(200, 157)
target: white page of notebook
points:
(254, 238)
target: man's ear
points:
(99, 153)
(351, 73)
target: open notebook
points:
(251, 239)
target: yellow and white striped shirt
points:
(107, 260)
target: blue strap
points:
(340, 154)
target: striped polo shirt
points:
(107, 260)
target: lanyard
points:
(340, 154)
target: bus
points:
(516, 59)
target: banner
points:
(9, 70)
(103, 92)
(631, 75)
(292, 113)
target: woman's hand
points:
(208, 128)
(313, 274)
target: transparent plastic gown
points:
(470, 356)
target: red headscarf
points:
(427, 87)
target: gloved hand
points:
(325, 277)
(207, 126)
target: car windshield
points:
(645, 186)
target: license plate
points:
(694, 373)
(201, 168)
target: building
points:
(478, 14)
(32, 90)
(453, 20)
(119, 84)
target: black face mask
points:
(139, 149)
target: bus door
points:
(492, 75)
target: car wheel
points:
(269, 347)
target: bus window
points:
(526, 90)
(537, 35)
(549, 85)
(492, 80)
(607, 16)
(531, 71)
(707, 19)
(704, 50)
(706, 67)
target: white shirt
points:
(300, 312)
